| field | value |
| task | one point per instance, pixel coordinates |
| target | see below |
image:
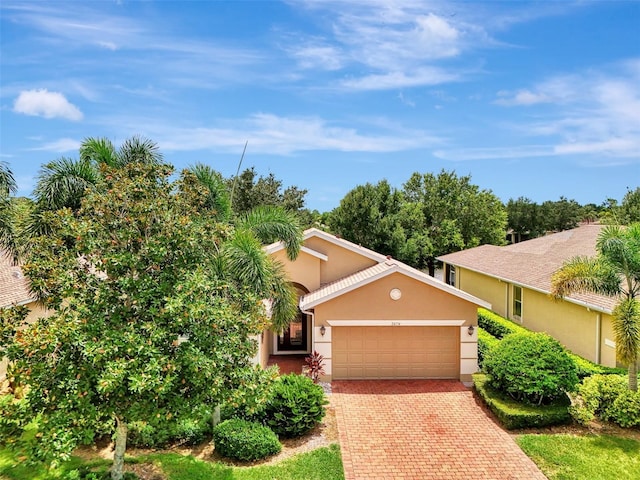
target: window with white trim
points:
(517, 301)
(451, 275)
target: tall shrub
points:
(296, 405)
(531, 367)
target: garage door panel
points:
(395, 352)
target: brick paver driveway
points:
(422, 429)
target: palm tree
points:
(8, 187)
(248, 263)
(615, 272)
(62, 182)
(242, 259)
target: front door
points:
(294, 338)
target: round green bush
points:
(243, 440)
(626, 409)
(531, 367)
(608, 398)
(296, 405)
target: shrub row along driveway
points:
(422, 429)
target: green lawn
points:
(593, 457)
(320, 464)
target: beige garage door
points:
(395, 352)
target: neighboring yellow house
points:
(371, 316)
(14, 290)
(516, 280)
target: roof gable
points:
(278, 246)
(340, 242)
(376, 272)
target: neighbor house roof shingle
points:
(14, 287)
(532, 263)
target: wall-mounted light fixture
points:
(470, 330)
(323, 330)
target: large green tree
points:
(524, 217)
(630, 208)
(248, 191)
(455, 214)
(614, 271)
(559, 215)
(369, 215)
(154, 297)
(432, 215)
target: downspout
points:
(598, 337)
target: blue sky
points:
(535, 99)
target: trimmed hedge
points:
(486, 342)
(243, 440)
(496, 325)
(513, 415)
(586, 368)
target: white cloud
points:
(595, 112)
(490, 153)
(317, 55)
(277, 135)
(398, 79)
(60, 146)
(387, 44)
(43, 103)
(522, 97)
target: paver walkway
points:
(422, 430)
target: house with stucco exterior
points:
(373, 317)
(516, 281)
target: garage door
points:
(395, 352)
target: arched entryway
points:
(296, 339)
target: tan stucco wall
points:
(418, 302)
(342, 262)
(486, 288)
(305, 270)
(572, 325)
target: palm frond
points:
(139, 149)
(218, 200)
(284, 299)
(585, 275)
(98, 151)
(246, 262)
(8, 239)
(8, 183)
(271, 224)
(62, 183)
(626, 328)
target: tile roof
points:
(370, 274)
(14, 286)
(531, 263)
(314, 232)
